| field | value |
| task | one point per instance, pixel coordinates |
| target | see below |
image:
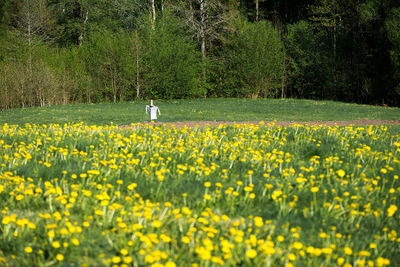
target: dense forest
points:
(69, 51)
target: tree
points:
(112, 63)
(326, 16)
(32, 25)
(205, 19)
(78, 19)
(171, 65)
(393, 30)
(305, 72)
(254, 65)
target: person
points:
(152, 111)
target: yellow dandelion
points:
(116, 259)
(60, 257)
(341, 173)
(56, 244)
(251, 253)
(314, 189)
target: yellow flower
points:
(165, 238)
(127, 260)
(149, 258)
(157, 224)
(391, 210)
(207, 184)
(292, 257)
(258, 221)
(55, 244)
(132, 186)
(314, 189)
(185, 240)
(348, 251)
(297, 245)
(340, 261)
(341, 173)
(251, 253)
(60, 257)
(382, 261)
(364, 253)
(75, 241)
(170, 264)
(116, 259)
(51, 234)
(28, 250)
(123, 252)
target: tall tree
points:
(393, 30)
(305, 71)
(326, 16)
(205, 19)
(171, 64)
(254, 61)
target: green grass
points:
(243, 195)
(201, 110)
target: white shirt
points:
(152, 110)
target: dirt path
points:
(179, 124)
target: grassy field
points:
(89, 193)
(201, 110)
(243, 195)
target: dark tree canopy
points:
(69, 51)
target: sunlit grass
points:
(233, 195)
(201, 110)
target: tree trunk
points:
(256, 10)
(283, 79)
(153, 8)
(334, 61)
(29, 15)
(203, 27)
(137, 75)
(80, 38)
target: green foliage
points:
(104, 50)
(305, 71)
(254, 60)
(110, 62)
(172, 66)
(393, 30)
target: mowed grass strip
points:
(212, 109)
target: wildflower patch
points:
(228, 195)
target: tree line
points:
(69, 51)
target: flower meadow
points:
(249, 195)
